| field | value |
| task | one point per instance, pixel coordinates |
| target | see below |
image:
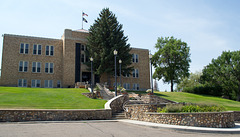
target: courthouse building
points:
(55, 63)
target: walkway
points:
(94, 129)
(105, 93)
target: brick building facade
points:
(43, 62)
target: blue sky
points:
(208, 26)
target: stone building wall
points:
(208, 119)
(11, 57)
(54, 115)
(143, 68)
(63, 59)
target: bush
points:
(176, 108)
(204, 89)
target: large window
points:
(135, 86)
(37, 49)
(49, 67)
(22, 83)
(135, 73)
(83, 47)
(49, 50)
(24, 48)
(36, 67)
(135, 58)
(82, 58)
(48, 83)
(36, 83)
(126, 85)
(23, 66)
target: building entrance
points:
(86, 77)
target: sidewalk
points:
(235, 130)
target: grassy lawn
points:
(230, 105)
(47, 98)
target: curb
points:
(235, 130)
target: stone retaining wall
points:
(54, 115)
(153, 99)
(236, 115)
(209, 119)
(116, 103)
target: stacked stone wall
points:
(153, 99)
(54, 115)
(205, 119)
(237, 116)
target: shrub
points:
(170, 108)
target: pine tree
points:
(106, 35)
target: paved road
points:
(93, 129)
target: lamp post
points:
(91, 59)
(150, 57)
(115, 54)
(120, 65)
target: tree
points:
(224, 72)
(106, 35)
(171, 61)
(155, 87)
(191, 81)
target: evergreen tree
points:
(106, 35)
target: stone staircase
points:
(105, 93)
(120, 115)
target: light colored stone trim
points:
(32, 37)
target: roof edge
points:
(33, 37)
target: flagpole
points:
(82, 19)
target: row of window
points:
(134, 87)
(37, 49)
(37, 83)
(36, 67)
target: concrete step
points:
(118, 115)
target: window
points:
(82, 58)
(49, 50)
(48, 83)
(126, 85)
(58, 84)
(22, 83)
(83, 47)
(23, 66)
(24, 48)
(37, 49)
(49, 67)
(36, 67)
(135, 86)
(135, 73)
(135, 58)
(36, 83)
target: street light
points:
(150, 57)
(91, 59)
(115, 54)
(120, 62)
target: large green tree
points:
(105, 36)
(224, 72)
(171, 61)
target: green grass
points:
(47, 98)
(230, 105)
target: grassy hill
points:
(47, 98)
(230, 105)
